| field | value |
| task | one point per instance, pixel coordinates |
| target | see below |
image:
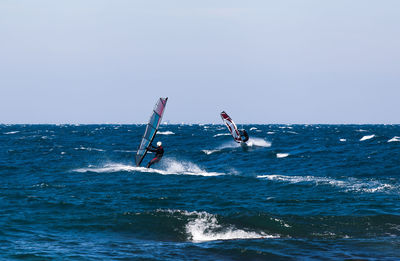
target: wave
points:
(395, 138)
(350, 184)
(252, 142)
(165, 133)
(88, 149)
(253, 128)
(257, 142)
(221, 134)
(10, 132)
(130, 151)
(203, 227)
(168, 167)
(342, 140)
(282, 155)
(208, 152)
(367, 137)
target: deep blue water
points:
(299, 192)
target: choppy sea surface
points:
(297, 192)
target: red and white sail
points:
(231, 126)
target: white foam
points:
(205, 227)
(394, 139)
(367, 137)
(10, 132)
(282, 155)
(208, 152)
(281, 222)
(342, 140)
(221, 134)
(88, 149)
(165, 133)
(270, 132)
(349, 184)
(253, 128)
(169, 167)
(257, 142)
(298, 179)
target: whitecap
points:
(342, 140)
(10, 132)
(367, 137)
(349, 184)
(253, 128)
(282, 155)
(394, 139)
(205, 227)
(257, 142)
(221, 134)
(169, 167)
(299, 179)
(208, 152)
(88, 149)
(165, 133)
(270, 132)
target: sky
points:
(265, 62)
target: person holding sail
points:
(244, 136)
(159, 150)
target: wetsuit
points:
(159, 153)
(245, 136)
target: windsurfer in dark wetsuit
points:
(243, 135)
(159, 153)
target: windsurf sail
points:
(151, 130)
(231, 127)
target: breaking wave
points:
(203, 227)
(367, 137)
(10, 132)
(166, 133)
(168, 167)
(221, 134)
(282, 155)
(257, 142)
(394, 139)
(349, 185)
(208, 152)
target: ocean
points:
(297, 192)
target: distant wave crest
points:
(394, 139)
(165, 133)
(367, 137)
(350, 184)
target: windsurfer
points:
(159, 153)
(243, 135)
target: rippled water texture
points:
(299, 192)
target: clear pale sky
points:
(262, 61)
